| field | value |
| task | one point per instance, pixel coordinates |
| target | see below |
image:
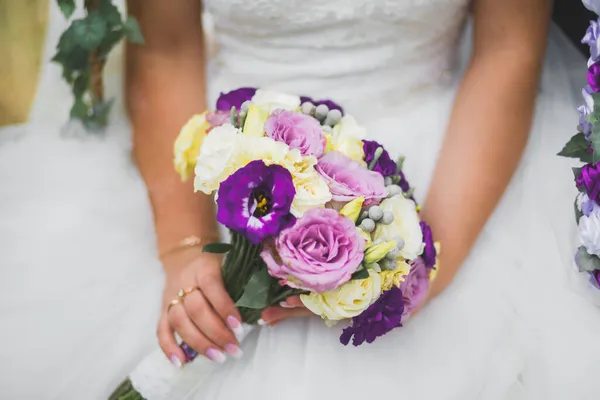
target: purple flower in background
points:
(217, 118)
(255, 201)
(592, 5)
(235, 98)
(377, 320)
(596, 277)
(348, 179)
(329, 103)
(298, 131)
(584, 110)
(415, 285)
(403, 182)
(589, 181)
(384, 165)
(429, 254)
(593, 76)
(591, 39)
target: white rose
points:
(347, 301)
(311, 192)
(270, 100)
(218, 158)
(347, 137)
(589, 230)
(406, 225)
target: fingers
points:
(168, 344)
(276, 314)
(214, 291)
(292, 302)
(190, 334)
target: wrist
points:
(174, 262)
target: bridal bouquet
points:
(313, 209)
(585, 146)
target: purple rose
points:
(384, 165)
(377, 320)
(591, 39)
(429, 253)
(235, 98)
(584, 110)
(589, 181)
(347, 179)
(329, 103)
(298, 131)
(319, 252)
(593, 76)
(415, 285)
(255, 201)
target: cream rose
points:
(187, 145)
(347, 301)
(271, 100)
(347, 137)
(406, 225)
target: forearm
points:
(486, 136)
(165, 87)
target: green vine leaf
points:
(67, 7)
(90, 31)
(577, 147)
(133, 31)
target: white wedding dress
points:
(79, 278)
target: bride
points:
(509, 317)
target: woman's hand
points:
(291, 307)
(206, 318)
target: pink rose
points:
(298, 131)
(347, 179)
(319, 252)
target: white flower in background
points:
(589, 231)
(219, 158)
(406, 225)
(270, 100)
(347, 137)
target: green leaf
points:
(79, 110)
(111, 39)
(133, 31)
(576, 171)
(578, 214)
(111, 14)
(80, 85)
(361, 274)
(587, 262)
(67, 7)
(217, 248)
(90, 31)
(577, 147)
(256, 293)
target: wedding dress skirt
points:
(80, 283)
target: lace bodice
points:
(336, 48)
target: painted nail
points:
(235, 326)
(175, 361)
(261, 322)
(216, 356)
(285, 305)
(234, 351)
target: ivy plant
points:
(82, 52)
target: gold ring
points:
(182, 293)
(173, 303)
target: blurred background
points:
(22, 34)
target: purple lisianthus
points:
(429, 253)
(584, 110)
(596, 277)
(329, 103)
(377, 320)
(591, 39)
(593, 76)
(384, 165)
(255, 201)
(589, 181)
(235, 98)
(347, 179)
(403, 183)
(415, 285)
(319, 252)
(298, 131)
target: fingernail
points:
(285, 305)
(216, 356)
(235, 326)
(175, 361)
(234, 351)
(261, 322)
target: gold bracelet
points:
(187, 242)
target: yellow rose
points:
(347, 138)
(347, 301)
(187, 145)
(255, 121)
(394, 277)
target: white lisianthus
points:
(347, 301)
(311, 192)
(589, 231)
(347, 137)
(406, 225)
(270, 100)
(219, 158)
(187, 145)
